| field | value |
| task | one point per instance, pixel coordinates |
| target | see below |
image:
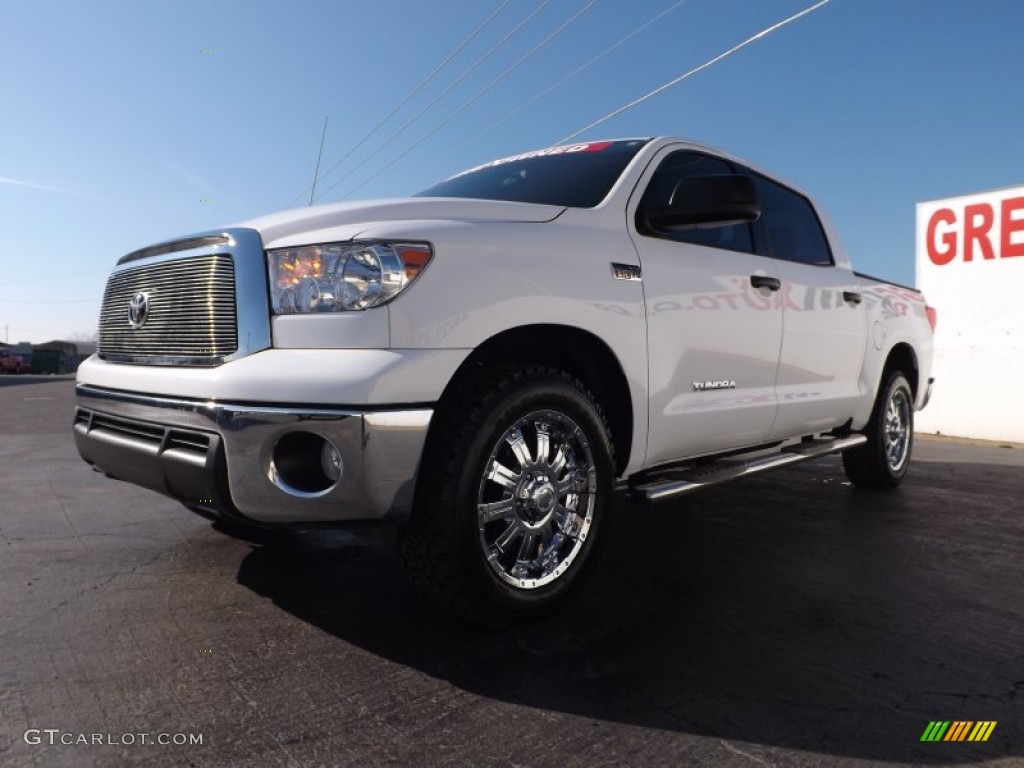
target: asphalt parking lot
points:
(782, 620)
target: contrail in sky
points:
(29, 184)
(753, 38)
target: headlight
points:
(342, 277)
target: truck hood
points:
(347, 220)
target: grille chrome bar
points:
(205, 302)
(175, 246)
(198, 293)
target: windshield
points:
(573, 175)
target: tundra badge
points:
(701, 386)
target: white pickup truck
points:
(484, 364)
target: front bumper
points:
(219, 457)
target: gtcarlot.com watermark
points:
(54, 736)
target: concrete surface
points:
(783, 620)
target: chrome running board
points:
(686, 481)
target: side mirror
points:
(705, 202)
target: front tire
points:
(882, 462)
(515, 492)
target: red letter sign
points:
(1007, 246)
(978, 231)
(940, 258)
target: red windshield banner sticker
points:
(566, 149)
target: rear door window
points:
(792, 227)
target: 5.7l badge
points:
(626, 271)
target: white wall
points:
(970, 265)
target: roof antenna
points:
(316, 173)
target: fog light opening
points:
(305, 464)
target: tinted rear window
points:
(574, 175)
(794, 232)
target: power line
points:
(695, 70)
(479, 93)
(412, 94)
(469, 70)
(568, 77)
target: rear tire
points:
(882, 462)
(514, 495)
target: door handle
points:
(763, 281)
(853, 297)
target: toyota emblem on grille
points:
(138, 310)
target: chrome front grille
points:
(191, 318)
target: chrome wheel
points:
(882, 462)
(536, 499)
(897, 430)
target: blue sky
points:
(126, 123)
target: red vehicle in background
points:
(14, 364)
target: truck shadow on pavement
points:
(784, 612)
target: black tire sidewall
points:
(894, 383)
(509, 407)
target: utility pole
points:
(320, 154)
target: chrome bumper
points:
(218, 456)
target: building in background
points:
(58, 357)
(22, 349)
(53, 357)
(970, 265)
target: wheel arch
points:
(871, 465)
(573, 350)
(902, 357)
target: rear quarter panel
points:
(896, 315)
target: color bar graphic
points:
(935, 730)
(958, 730)
(982, 730)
